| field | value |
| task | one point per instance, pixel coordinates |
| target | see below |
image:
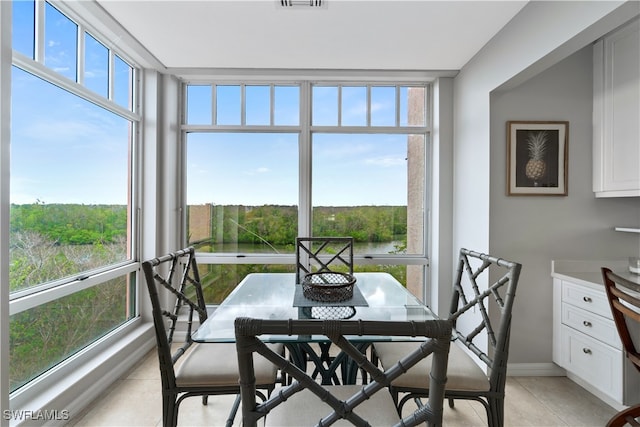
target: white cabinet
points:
(586, 343)
(616, 113)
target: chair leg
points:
(205, 399)
(234, 411)
(495, 412)
(169, 410)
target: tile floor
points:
(135, 400)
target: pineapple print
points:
(537, 145)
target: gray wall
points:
(535, 230)
(540, 37)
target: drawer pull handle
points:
(586, 351)
(586, 299)
(587, 324)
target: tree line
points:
(53, 241)
(277, 224)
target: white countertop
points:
(588, 272)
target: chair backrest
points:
(438, 333)
(175, 290)
(318, 254)
(470, 303)
(624, 300)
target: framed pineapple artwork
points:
(537, 158)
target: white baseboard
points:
(535, 370)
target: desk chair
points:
(471, 321)
(305, 401)
(190, 369)
(624, 300)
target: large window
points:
(72, 275)
(268, 162)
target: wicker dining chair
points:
(624, 300)
(307, 402)
(318, 254)
(466, 378)
(188, 368)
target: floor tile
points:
(136, 401)
(569, 401)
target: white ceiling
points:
(344, 34)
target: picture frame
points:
(537, 158)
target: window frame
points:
(43, 293)
(306, 131)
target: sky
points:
(67, 150)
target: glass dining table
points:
(377, 296)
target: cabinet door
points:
(616, 111)
(593, 361)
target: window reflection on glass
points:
(123, 83)
(258, 105)
(23, 27)
(361, 188)
(43, 336)
(399, 272)
(354, 106)
(242, 191)
(218, 280)
(61, 43)
(69, 184)
(383, 106)
(96, 66)
(199, 105)
(286, 106)
(228, 105)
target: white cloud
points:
(386, 162)
(258, 171)
(379, 106)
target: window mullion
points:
(39, 29)
(397, 105)
(368, 105)
(80, 41)
(339, 105)
(111, 66)
(214, 105)
(243, 105)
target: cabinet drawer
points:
(586, 298)
(593, 361)
(591, 324)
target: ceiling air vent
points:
(299, 4)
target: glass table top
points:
(271, 296)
